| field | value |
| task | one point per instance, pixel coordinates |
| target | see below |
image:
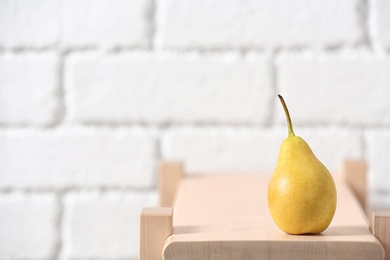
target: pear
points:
(301, 192)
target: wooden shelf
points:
(226, 217)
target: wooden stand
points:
(380, 227)
(156, 226)
(226, 217)
(353, 174)
(169, 177)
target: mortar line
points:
(363, 11)
(168, 125)
(61, 110)
(274, 85)
(157, 158)
(60, 212)
(201, 51)
(153, 24)
(63, 190)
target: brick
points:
(106, 23)
(29, 89)
(235, 149)
(265, 24)
(77, 158)
(168, 88)
(380, 22)
(28, 23)
(223, 149)
(332, 146)
(349, 88)
(27, 226)
(377, 152)
(103, 226)
(379, 200)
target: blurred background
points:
(93, 94)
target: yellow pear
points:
(301, 193)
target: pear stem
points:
(289, 123)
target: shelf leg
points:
(354, 174)
(380, 228)
(170, 174)
(155, 228)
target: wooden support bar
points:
(354, 174)
(169, 177)
(155, 228)
(380, 227)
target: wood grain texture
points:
(353, 173)
(226, 217)
(170, 174)
(380, 227)
(155, 227)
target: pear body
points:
(301, 193)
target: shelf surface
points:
(226, 217)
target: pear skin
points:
(301, 193)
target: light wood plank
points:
(226, 217)
(380, 227)
(354, 174)
(155, 227)
(170, 174)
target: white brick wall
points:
(226, 149)
(347, 88)
(106, 23)
(166, 88)
(29, 89)
(28, 23)
(93, 94)
(103, 225)
(77, 158)
(28, 225)
(380, 22)
(254, 23)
